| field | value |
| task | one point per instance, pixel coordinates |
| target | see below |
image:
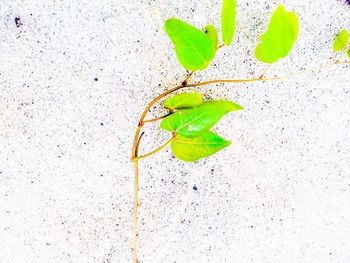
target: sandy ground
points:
(74, 77)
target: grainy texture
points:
(74, 77)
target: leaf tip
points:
(227, 143)
(234, 106)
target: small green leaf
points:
(228, 20)
(278, 40)
(348, 53)
(341, 40)
(183, 101)
(194, 49)
(192, 122)
(192, 149)
(211, 32)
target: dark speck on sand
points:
(18, 21)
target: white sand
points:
(280, 193)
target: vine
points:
(189, 119)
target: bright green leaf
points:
(192, 122)
(192, 149)
(194, 49)
(183, 100)
(341, 40)
(211, 32)
(228, 20)
(278, 40)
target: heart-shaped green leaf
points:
(278, 40)
(194, 49)
(192, 149)
(228, 21)
(183, 101)
(193, 122)
(341, 40)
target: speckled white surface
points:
(280, 193)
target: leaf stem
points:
(138, 143)
(262, 75)
(158, 118)
(220, 46)
(184, 83)
(156, 150)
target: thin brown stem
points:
(136, 201)
(138, 143)
(158, 118)
(184, 83)
(262, 75)
(215, 81)
(156, 150)
(220, 46)
(135, 211)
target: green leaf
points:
(193, 122)
(278, 40)
(194, 49)
(192, 149)
(183, 100)
(211, 32)
(341, 40)
(348, 53)
(228, 20)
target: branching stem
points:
(184, 83)
(137, 137)
(134, 155)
